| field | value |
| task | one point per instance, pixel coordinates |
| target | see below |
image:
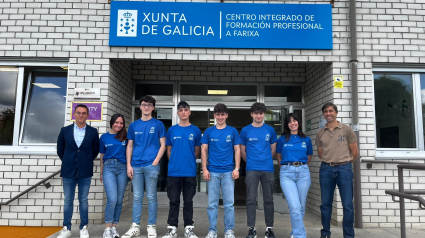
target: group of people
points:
(135, 155)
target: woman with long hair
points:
(293, 152)
(113, 175)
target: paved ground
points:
(281, 228)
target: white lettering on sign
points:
(241, 25)
(164, 17)
(187, 31)
(267, 21)
(92, 109)
(246, 33)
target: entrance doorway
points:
(280, 99)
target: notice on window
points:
(338, 81)
(164, 114)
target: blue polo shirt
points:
(183, 140)
(220, 148)
(112, 148)
(296, 149)
(146, 135)
(258, 152)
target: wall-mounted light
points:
(217, 92)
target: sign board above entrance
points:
(221, 25)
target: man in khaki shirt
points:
(337, 148)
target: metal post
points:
(358, 204)
(358, 208)
(402, 208)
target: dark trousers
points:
(267, 183)
(175, 187)
(341, 176)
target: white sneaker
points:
(133, 231)
(172, 232)
(211, 234)
(65, 233)
(188, 232)
(107, 233)
(151, 231)
(115, 233)
(229, 234)
(84, 233)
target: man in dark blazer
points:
(78, 146)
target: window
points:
(8, 82)
(32, 107)
(274, 93)
(45, 107)
(399, 120)
(394, 109)
(422, 81)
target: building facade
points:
(66, 43)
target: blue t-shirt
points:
(220, 148)
(183, 141)
(145, 135)
(296, 149)
(112, 148)
(258, 152)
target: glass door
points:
(239, 118)
(203, 118)
(165, 115)
(275, 117)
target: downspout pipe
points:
(355, 114)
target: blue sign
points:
(221, 25)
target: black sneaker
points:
(252, 233)
(269, 233)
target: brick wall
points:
(219, 72)
(318, 91)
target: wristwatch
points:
(236, 169)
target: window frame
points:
(27, 98)
(403, 153)
(29, 149)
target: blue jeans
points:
(115, 180)
(145, 175)
(330, 176)
(227, 185)
(295, 182)
(69, 185)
